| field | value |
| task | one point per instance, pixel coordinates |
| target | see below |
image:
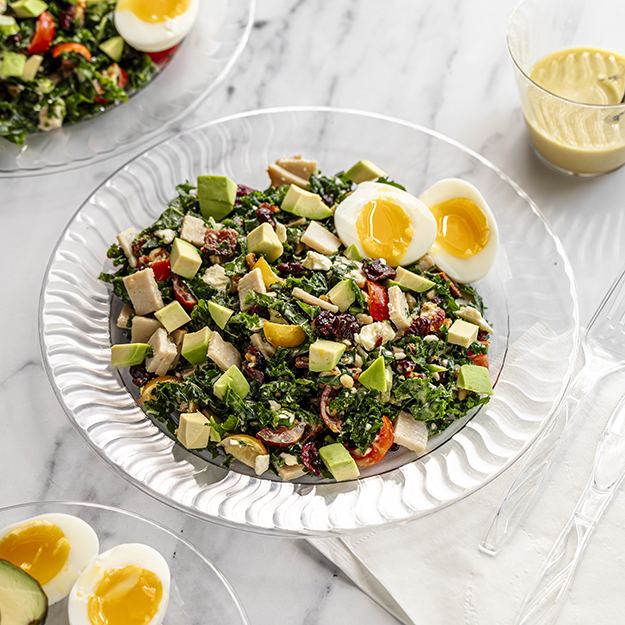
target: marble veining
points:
(440, 63)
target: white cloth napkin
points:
(431, 572)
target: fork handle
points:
(544, 603)
(519, 498)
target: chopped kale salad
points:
(259, 329)
(61, 62)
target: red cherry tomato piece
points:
(163, 56)
(183, 295)
(481, 360)
(44, 34)
(161, 269)
(77, 48)
(122, 81)
(378, 301)
(381, 444)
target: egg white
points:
(423, 222)
(470, 269)
(116, 558)
(84, 546)
(150, 37)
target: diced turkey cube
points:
(320, 239)
(216, 277)
(222, 353)
(317, 262)
(261, 464)
(164, 353)
(411, 433)
(123, 319)
(398, 308)
(125, 239)
(251, 282)
(143, 292)
(375, 334)
(193, 230)
(143, 328)
(473, 315)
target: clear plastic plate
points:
(530, 295)
(197, 587)
(202, 61)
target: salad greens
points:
(284, 406)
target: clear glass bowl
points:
(530, 294)
(197, 587)
(202, 61)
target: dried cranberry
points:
(377, 270)
(254, 374)
(66, 18)
(311, 459)
(346, 326)
(221, 242)
(405, 367)
(261, 311)
(293, 268)
(139, 375)
(420, 326)
(243, 189)
(265, 215)
(482, 336)
(324, 323)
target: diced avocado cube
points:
(462, 333)
(185, 259)
(172, 316)
(264, 240)
(363, 171)
(339, 462)
(45, 86)
(342, 295)
(28, 8)
(375, 376)
(412, 281)
(436, 368)
(353, 253)
(22, 598)
(195, 346)
(476, 379)
(128, 354)
(8, 25)
(113, 48)
(13, 64)
(324, 355)
(303, 203)
(32, 67)
(234, 379)
(194, 430)
(220, 314)
(216, 195)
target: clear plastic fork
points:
(603, 351)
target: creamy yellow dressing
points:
(577, 138)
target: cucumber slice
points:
(22, 600)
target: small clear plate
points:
(204, 58)
(530, 294)
(197, 587)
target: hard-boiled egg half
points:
(127, 585)
(155, 25)
(52, 548)
(383, 221)
(466, 232)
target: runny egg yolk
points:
(127, 596)
(462, 228)
(154, 11)
(39, 548)
(384, 230)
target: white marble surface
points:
(441, 63)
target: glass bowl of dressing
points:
(569, 60)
